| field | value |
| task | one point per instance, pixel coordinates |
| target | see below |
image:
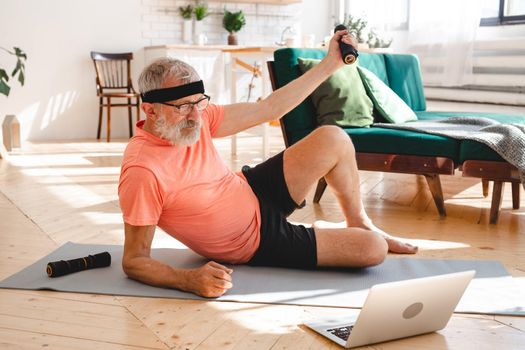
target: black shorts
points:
(281, 244)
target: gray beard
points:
(176, 134)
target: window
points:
(380, 14)
(499, 12)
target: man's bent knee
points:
(333, 132)
(334, 137)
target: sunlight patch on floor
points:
(425, 244)
(102, 218)
(67, 191)
(53, 160)
(264, 319)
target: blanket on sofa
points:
(508, 140)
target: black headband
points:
(173, 93)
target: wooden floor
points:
(51, 193)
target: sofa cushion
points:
(374, 63)
(341, 99)
(389, 105)
(469, 149)
(404, 77)
(391, 141)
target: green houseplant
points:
(356, 26)
(233, 22)
(18, 70)
(200, 11)
(375, 41)
(186, 13)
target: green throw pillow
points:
(389, 105)
(341, 99)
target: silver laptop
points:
(398, 310)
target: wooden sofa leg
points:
(321, 186)
(496, 201)
(516, 195)
(434, 184)
(485, 184)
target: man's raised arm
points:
(241, 116)
(209, 280)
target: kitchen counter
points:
(223, 48)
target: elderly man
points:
(173, 177)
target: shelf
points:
(270, 2)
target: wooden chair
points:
(114, 82)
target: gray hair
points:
(154, 75)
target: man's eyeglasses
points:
(186, 108)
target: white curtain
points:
(442, 34)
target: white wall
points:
(318, 18)
(59, 99)
(162, 24)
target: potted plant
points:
(18, 70)
(10, 125)
(186, 13)
(200, 11)
(377, 42)
(233, 22)
(356, 26)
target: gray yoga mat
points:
(493, 291)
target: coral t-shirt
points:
(190, 193)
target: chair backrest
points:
(400, 72)
(113, 70)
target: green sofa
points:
(389, 150)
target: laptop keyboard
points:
(341, 332)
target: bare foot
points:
(395, 245)
(399, 247)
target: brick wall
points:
(162, 24)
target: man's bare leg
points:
(350, 246)
(328, 152)
(394, 244)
